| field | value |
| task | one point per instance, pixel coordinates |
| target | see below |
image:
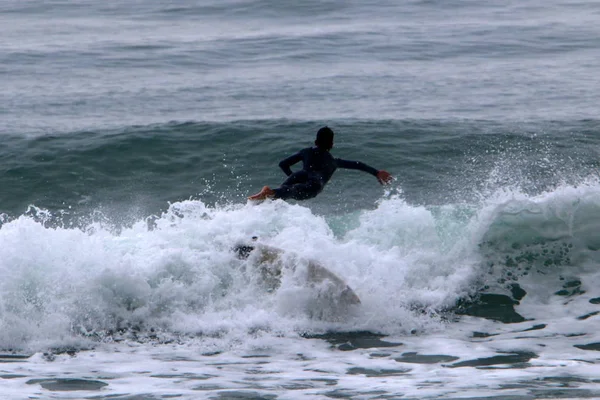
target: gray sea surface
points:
(131, 134)
(77, 65)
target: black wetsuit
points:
(318, 167)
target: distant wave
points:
(135, 171)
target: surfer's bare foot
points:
(264, 194)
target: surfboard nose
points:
(348, 296)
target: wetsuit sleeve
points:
(355, 165)
(288, 162)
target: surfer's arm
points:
(382, 176)
(355, 165)
(288, 162)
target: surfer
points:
(318, 167)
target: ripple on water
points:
(589, 346)
(416, 358)
(68, 384)
(243, 395)
(515, 359)
(372, 372)
(347, 341)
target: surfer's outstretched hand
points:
(384, 177)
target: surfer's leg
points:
(298, 186)
(266, 192)
(299, 191)
(295, 178)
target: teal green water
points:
(134, 172)
(131, 134)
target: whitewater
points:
(131, 134)
(165, 307)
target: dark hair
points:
(324, 138)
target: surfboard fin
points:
(243, 251)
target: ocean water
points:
(131, 134)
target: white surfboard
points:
(270, 261)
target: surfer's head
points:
(324, 138)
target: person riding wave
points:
(318, 166)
